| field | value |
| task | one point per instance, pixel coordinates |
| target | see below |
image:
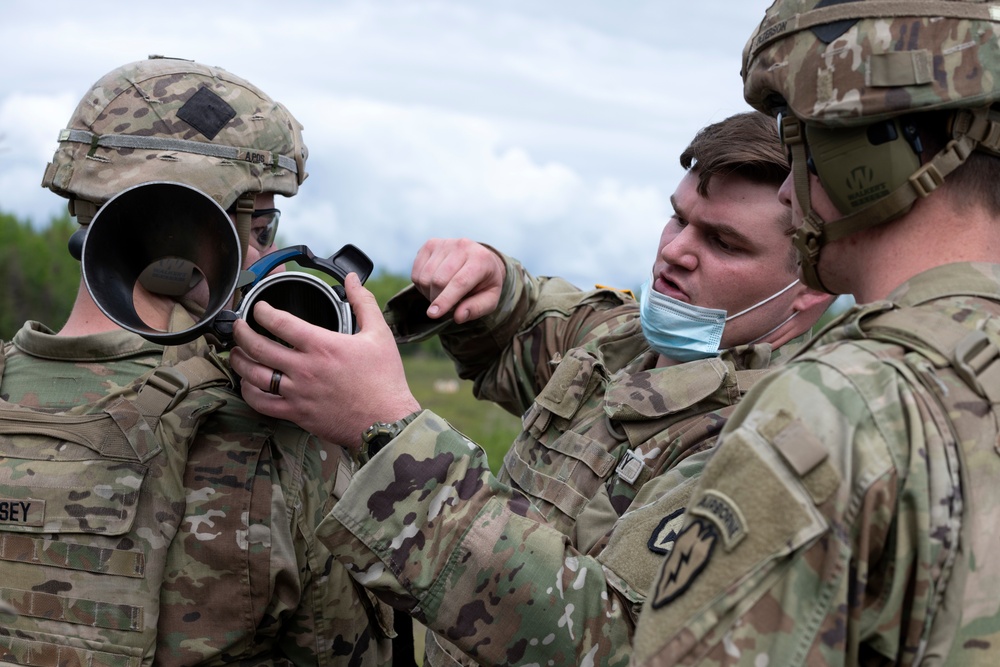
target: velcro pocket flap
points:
(559, 481)
(649, 395)
(568, 386)
(92, 496)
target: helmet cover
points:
(167, 119)
(843, 76)
(852, 62)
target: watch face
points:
(379, 434)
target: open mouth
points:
(670, 288)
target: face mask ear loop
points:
(765, 335)
(761, 303)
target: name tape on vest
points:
(21, 512)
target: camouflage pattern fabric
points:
(246, 580)
(545, 564)
(851, 63)
(848, 515)
(90, 497)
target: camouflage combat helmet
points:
(845, 78)
(168, 119)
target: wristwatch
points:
(379, 434)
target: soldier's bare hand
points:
(458, 276)
(332, 384)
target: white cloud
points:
(397, 176)
(29, 125)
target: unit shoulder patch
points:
(664, 536)
(691, 553)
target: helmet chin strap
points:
(84, 211)
(809, 238)
(244, 220)
(971, 128)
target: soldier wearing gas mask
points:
(157, 518)
(848, 516)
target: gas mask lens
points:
(303, 295)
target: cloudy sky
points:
(548, 128)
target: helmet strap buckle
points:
(927, 179)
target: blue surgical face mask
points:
(683, 332)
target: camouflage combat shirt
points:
(840, 522)
(246, 580)
(545, 564)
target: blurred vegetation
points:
(38, 278)
(434, 383)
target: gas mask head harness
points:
(172, 240)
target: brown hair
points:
(744, 145)
(976, 178)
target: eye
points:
(722, 244)
(264, 227)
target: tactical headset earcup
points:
(860, 165)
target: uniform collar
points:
(962, 278)
(38, 340)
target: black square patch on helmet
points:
(206, 112)
(828, 32)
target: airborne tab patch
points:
(723, 512)
(691, 553)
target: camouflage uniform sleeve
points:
(801, 544)
(507, 352)
(427, 527)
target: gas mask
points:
(173, 240)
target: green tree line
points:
(38, 277)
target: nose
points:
(786, 190)
(680, 249)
